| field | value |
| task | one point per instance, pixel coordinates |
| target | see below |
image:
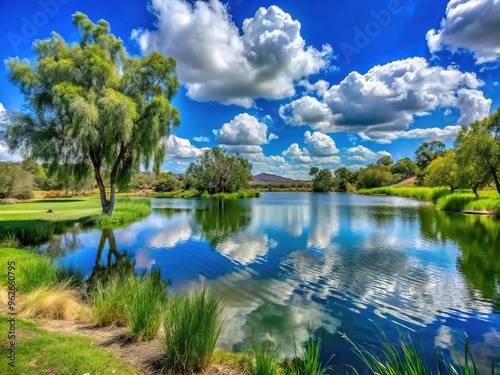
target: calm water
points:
(335, 262)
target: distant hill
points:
(410, 181)
(267, 178)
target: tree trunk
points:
(497, 182)
(474, 190)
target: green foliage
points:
(375, 176)
(423, 193)
(109, 302)
(142, 180)
(344, 179)
(218, 172)
(36, 272)
(193, 326)
(146, 301)
(309, 363)
(166, 182)
(265, 359)
(478, 154)
(405, 167)
(129, 209)
(443, 171)
(385, 160)
(427, 152)
(323, 181)
(15, 182)
(91, 104)
(71, 274)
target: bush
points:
(15, 182)
(193, 326)
(145, 306)
(166, 183)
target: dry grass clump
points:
(51, 302)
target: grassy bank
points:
(242, 194)
(41, 352)
(36, 221)
(460, 201)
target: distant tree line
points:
(473, 163)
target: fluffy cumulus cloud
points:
(319, 144)
(218, 62)
(319, 150)
(180, 148)
(387, 99)
(363, 154)
(244, 129)
(473, 25)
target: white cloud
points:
(447, 132)
(363, 154)
(201, 139)
(243, 129)
(5, 154)
(388, 98)
(319, 144)
(181, 148)
(242, 149)
(218, 62)
(473, 25)
(295, 150)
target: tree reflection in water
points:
(479, 240)
(118, 263)
(220, 220)
(59, 246)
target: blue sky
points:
(294, 84)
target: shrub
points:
(145, 306)
(166, 183)
(193, 326)
(55, 301)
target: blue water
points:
(287, 262)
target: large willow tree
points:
(92, 106)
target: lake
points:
(287, 262)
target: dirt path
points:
(144, 357)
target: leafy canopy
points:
(218, 172)
(91, 105)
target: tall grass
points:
(126, 209)
(72, 274)
(422, 193)
(193, 326)
(32, 233)
(109, 302)
(307, 363)
(410, 359)
(35, 272)
(145, 306)
(265, 359)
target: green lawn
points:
(63, 209)
(42, 352)
(30, 223)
